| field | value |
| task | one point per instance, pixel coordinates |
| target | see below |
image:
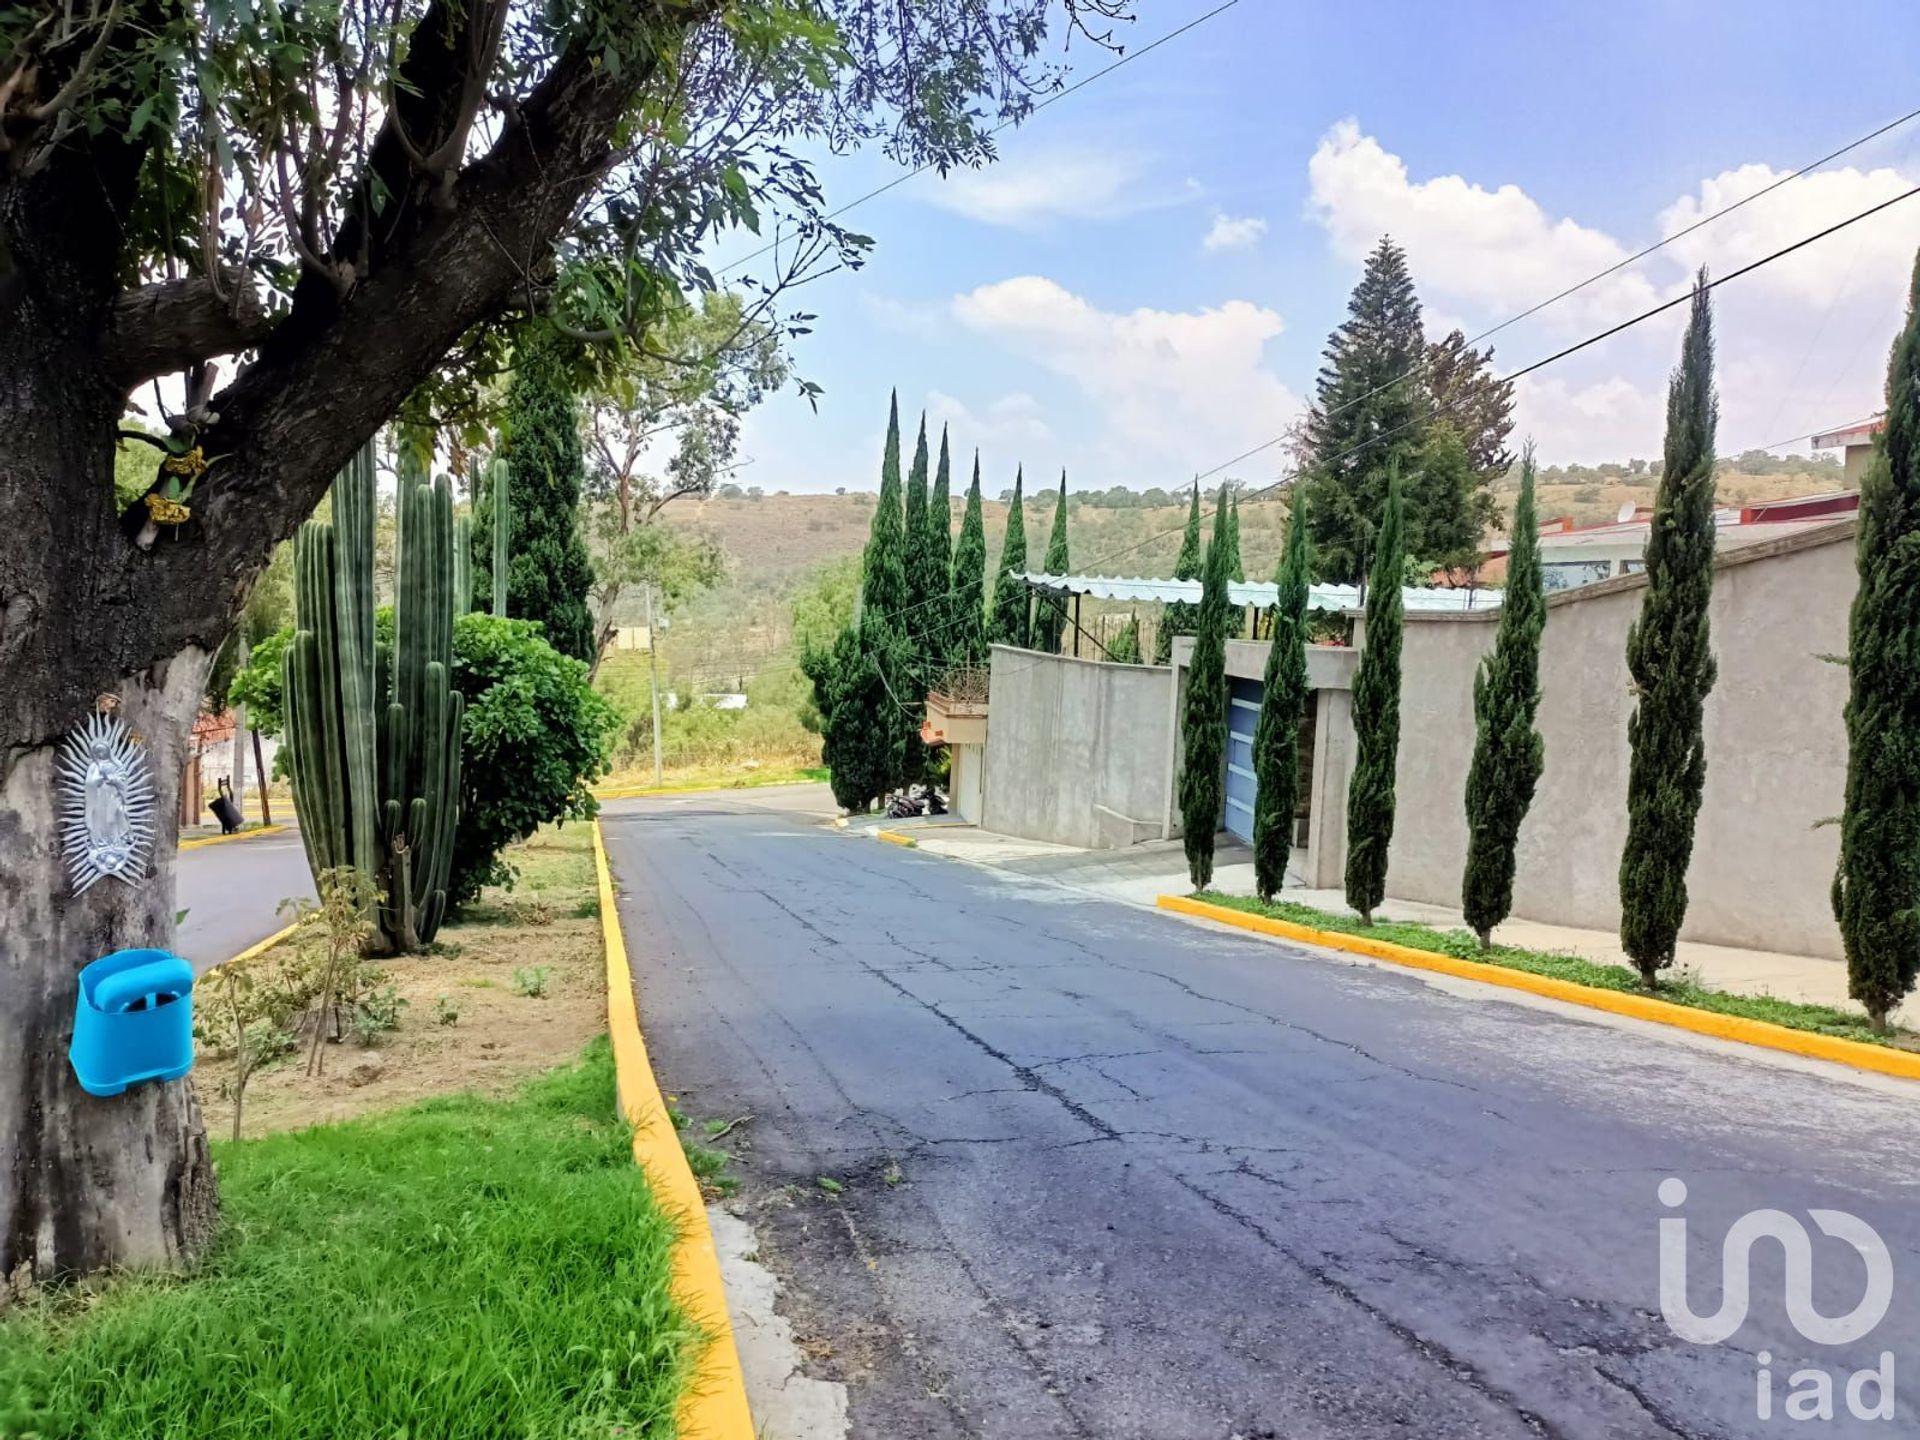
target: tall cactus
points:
(462, 564)
(497, 487)
(376, 736)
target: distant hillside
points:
(775, 540)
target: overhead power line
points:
(1053, 99)
(1540, 364)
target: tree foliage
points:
(918, 618)
(1180, 618)
(1445, 508)
(935, 552)
(1376, 715)
(967, 640)
(1050, 611)
(549, 576)
(1508, 753)
(1283, 702)
(1010, 625)
(1204, 720)
(1876, 889)
(1477, 403)
(1368, 414)
(1671, 664)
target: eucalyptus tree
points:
(359, 201)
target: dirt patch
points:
(498, 1036)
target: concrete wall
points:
(1775, 737)
(1077, 750)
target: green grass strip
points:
(1680, 990)
(462, 1268)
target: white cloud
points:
(1171, 386)
(1497, 250)
(1031, 188)
(1877, 252)
(1003, 430)
(1230, 232)
(1800, 343)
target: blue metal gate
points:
(1243, 714)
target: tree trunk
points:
(87, 1183)
(91, 1183)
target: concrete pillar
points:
(1327, 818)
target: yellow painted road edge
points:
(715, 1405)
(1880, 1058)
(894, 837)
(252, 834)
(260, 948)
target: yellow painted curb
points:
(252, 834)
(1880, 1058)
(635, 792)
(715, 1405)
(894, 837)
(254, 950)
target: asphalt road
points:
(1110, 1173)
(232, 893)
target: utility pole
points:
(239, 766)
(653, 678)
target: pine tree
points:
(1508, 752)
(968, 638)
(1204, 728)
(548, 572)
(936, 554)
(1276, 737)
(1124, 648)
(1376, 715)
(1878, 880)
(1010, 625)
(1671, 664)
(1368, 416)
(1180, 618)
(1050, 617)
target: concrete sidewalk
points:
(1141, 874)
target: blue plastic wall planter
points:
(133, 1021)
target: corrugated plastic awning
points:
(1262, 594)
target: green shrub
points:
(535, 738)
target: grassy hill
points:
(739, 636)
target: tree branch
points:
(161, 328)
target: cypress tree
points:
(1276, 737)
(1878, 880)
(1236, 571)
(1204, 728)
(936, 553)
(548, 572)
(1508, 752)
(1124, 649)
(1368, 414)
(1009, 625)
(1050, 617)
(968, 638)
(918, 617)
(1376, 714)
(883, 579)
(869, 722)
(1180, 618)
(1671, 664)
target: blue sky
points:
(1142, 285)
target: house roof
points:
(1861, 434)
(1263, 594)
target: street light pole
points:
(653, 679)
